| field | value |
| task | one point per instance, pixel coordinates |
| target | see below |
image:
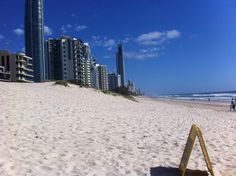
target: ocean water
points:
(211, 96)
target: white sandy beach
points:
(48, 130)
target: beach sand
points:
(49, 130)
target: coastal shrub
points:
(130, 97)
(109, 92)
(75, 82)
(62, 83)
(105, 91)
(84, 85)
(122, 90)
(20, 81)
(78, 83)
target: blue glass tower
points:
(120, 63)
(34, 37)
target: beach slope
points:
(69, 131)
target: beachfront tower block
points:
(34, 37)
(120, 63)
(114, 81)
(103, 77)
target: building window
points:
(3, 61)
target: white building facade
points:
(18, 66)
(103, 77)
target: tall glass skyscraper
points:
(34, 37)
(120, 63)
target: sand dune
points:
(51, 130)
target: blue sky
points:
(170, 46)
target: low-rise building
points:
(5, 66)
(4, 74)
(18, 66)
(21, 68)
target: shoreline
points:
(215, 105)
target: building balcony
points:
(21, 60)
(22, 73)
(23, 79)
(29, 70)
(24, 68)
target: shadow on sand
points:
(169, 171)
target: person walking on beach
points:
(232, 105)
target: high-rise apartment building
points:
(87, 72)
(103, 77)
(114, 81)
(120, 63)
(67, 60)
(87, 51)
(87, 57)
(53, 58)
(94, 75)
(131, 86)
(34, 37)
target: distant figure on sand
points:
(232, 105)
